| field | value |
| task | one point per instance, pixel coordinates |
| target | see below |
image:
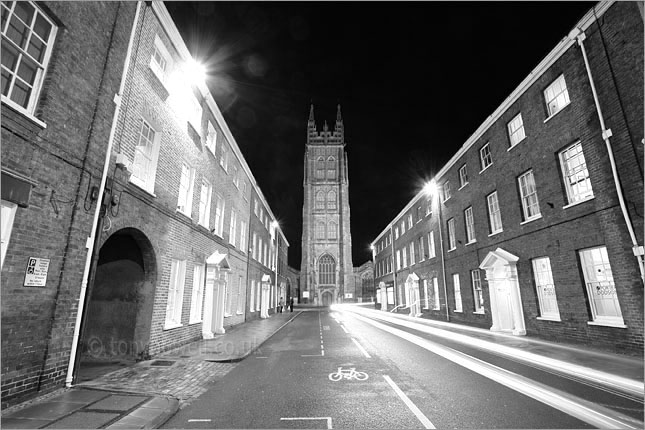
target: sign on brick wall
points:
(36, 273)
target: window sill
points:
(607, 324)
(227, 315)
(460, 188)
(531, 219)
(458, 312)
(485, 168)
(554, 114)
(556, 319)
(578, 202)
(194, 322)
(171, 325)
(184, 214)
(436, 309)
(495, 233)
(479, 312)
(142, 188)
(471, 242)
(516, 143)
(451, 249)
(20, 110)
(239, 313)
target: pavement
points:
(147, 393)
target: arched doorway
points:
(119, 313)
(412, 294)
(327, 299)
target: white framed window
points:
(211, 138)
(260, 249)
(219, 215)
(244, 194)
(175, 293)
(232, 228)
(197, 295)
(545, 288)
(422, 252)
(556, 96)
(194, 111)
(463, 176)
(485, 157)
(575, 174)
(258, 298)
(516, 130)
(412, 259)
(240, 296)
(6, 218)
(426, 302)
(185, 200)
(243, 244)
(236, 178)
(470, 224)
(410, 223)
(435, 289)
(331, 200)
(405, 256)
(528, 192)
(446, 191)
(228, 301)
(431, 248)
(160, 60)
(494, 214)
(256, 208)
(457, 288)
(320, 200)
(320, 168)
(601, 290)
(223, 161)
(396, 232)
(205, 203)
(331, 168)
(146, 155)
(254, 247)
(252, 296)
(398, 259)
(402, 227)
(320, 230)
(27, 40)
(452, 241)
(478, 295)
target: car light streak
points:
(634, 388)
(584, 410)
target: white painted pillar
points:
(218, 304)
(207, 323)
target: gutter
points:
(91, 241)
(578, 34)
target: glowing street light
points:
(432, 191)
(195, 72)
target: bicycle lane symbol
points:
(349, 374)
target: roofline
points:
(565, 43)
(169, 26)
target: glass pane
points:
(20, 94)
(36, 49)
(27, 71)
(9, 56)
(5, 12)
(6, 78)
(42, 27)
(24, 11)
(17, 32)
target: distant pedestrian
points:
(291, 303)
(280, 305)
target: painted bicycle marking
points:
(350, 373)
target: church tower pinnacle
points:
(326, 270)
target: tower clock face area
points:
(326, 267)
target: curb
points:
(152, 414)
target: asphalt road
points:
(293, 381)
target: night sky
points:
(414, 81)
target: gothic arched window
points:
(331, 200)
(331, 168)
(320, 200)
(320, 168)
(332, 231)
(320, 230)
(326, 270)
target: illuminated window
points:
(205, 203)
(219, 216)
(160, 60)
(545, 288)
(332, 231)
(327, 270)
(470, 224)
(494, 214)
(175, 293)
(601, 290)
(576, 176)
(320, 168)
(6, 218)
(331, 168)
(320, 230)
(211, 138)
(485, 157)
(331, 200)
(556, 96)
(452, 242)
(146, 154)
(185, 200)
(27, 39)
(197, 295)
(528, 192)
(463, 176)
(446, 191)
(477, 290)
(320, 200)
(516, 130)
(457, 289)
(232, 228)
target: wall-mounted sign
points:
(36, 273)
(348, 295)
(305, 294)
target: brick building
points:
(326, 271)
(536, 224)
(164, 259)
(61, 66)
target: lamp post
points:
(432, 191)
(373, 289)
(274, 237)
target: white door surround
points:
(217, 268)
(412, 294)
(504, 291)
(265, 296)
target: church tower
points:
(326, 268)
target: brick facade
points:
(562, 229)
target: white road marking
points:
(416, 411)
(316, 355)
(359, 346)
(596, 415)
(344, 329)
(199, 420)
(328, 419)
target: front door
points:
(504, 307)
(326, 298)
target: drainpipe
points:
(92, 239)
(393, 269)
(579, 35)
(443, 261)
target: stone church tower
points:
(326, 271)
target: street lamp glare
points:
(430, 188)
(275, 224)
(195, 71)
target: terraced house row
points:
(131, 222)
(535, 226)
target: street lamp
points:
(432, 191)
